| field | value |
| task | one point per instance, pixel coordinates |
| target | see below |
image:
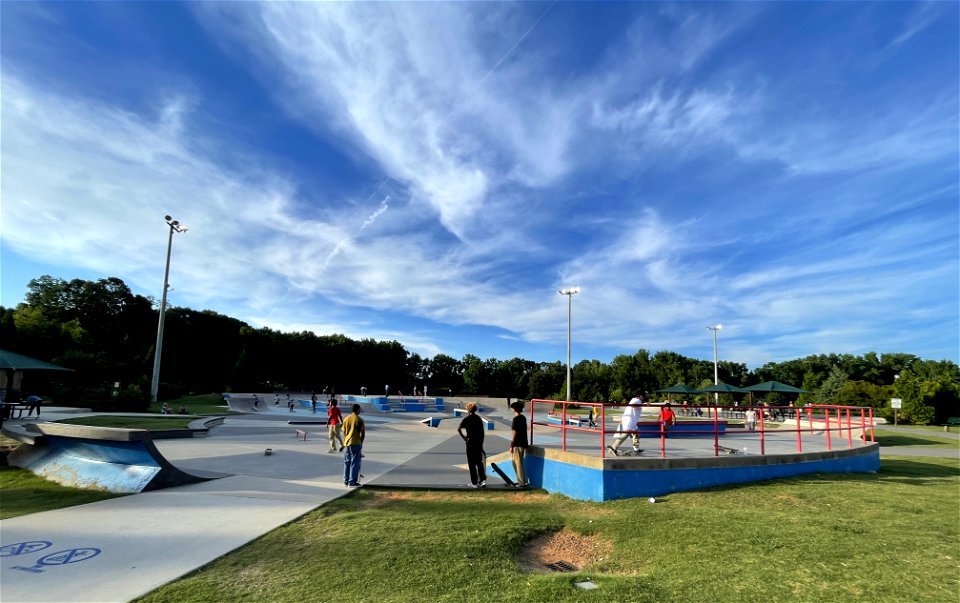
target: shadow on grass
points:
(903, 471)
(900, 471)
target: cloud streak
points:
(672, 174)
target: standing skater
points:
(473, 425)
(354, 433)
(628, 426)
(334, 421)
(518, 443)
(313, 403)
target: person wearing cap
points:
(667, 417)
(519, 443)
(353, 435)
(471, 430)
(628, 426)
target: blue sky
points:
(434, 172)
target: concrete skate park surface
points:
(122, 548)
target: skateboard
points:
(630, 452)
(503, 476)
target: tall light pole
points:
(569, 292)
(716, 372)
(175, 226)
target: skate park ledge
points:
(586, 477)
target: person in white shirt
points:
(751, 418)
(628, 426)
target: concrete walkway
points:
(120, 549)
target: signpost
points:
(895, 404)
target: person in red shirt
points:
(667, 418)
(334, 422)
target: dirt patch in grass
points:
(570, 547)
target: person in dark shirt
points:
(518, 442)
(471, 430)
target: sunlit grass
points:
(829, 537)
(892, 438)
(22, 493)
(154, 423)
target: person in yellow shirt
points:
(354, 433)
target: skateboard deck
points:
(629, 452)
(503, 476)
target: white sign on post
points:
(896, 403)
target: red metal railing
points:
(822, 421)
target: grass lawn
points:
(892, 536)
(891, 437)
(24, 493)
(153, 423)
(203, 404)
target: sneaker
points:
(637, 451)
(613, 450)
(355, 485)
(483, 484)
(473, 485)
(341, 449)
(332, 450)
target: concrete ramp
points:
(99, 458)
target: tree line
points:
(106, 333)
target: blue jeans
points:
(351, 464)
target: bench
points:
(300, 434)
(9, 408)
(951, 422)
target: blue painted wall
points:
(587, 483)
(124, 467)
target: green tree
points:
(827, 394)
(910, 390)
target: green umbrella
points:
(679, 389)
(723, 388)
(776, 387)
(17, 362)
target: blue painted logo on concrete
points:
(24, 548)
(58, 558)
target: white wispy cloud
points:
(502, 180)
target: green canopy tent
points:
(775, 387)
(11, 364)
(724, 388)
(679, 389)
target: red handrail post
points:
(563, 426)
(873, 437)
(799, 439)
(763, 449)
(826, 426)
(603, 431)
(849, 429)
(863, 425)
(716, 432)
(533, 403)
(663, 440)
